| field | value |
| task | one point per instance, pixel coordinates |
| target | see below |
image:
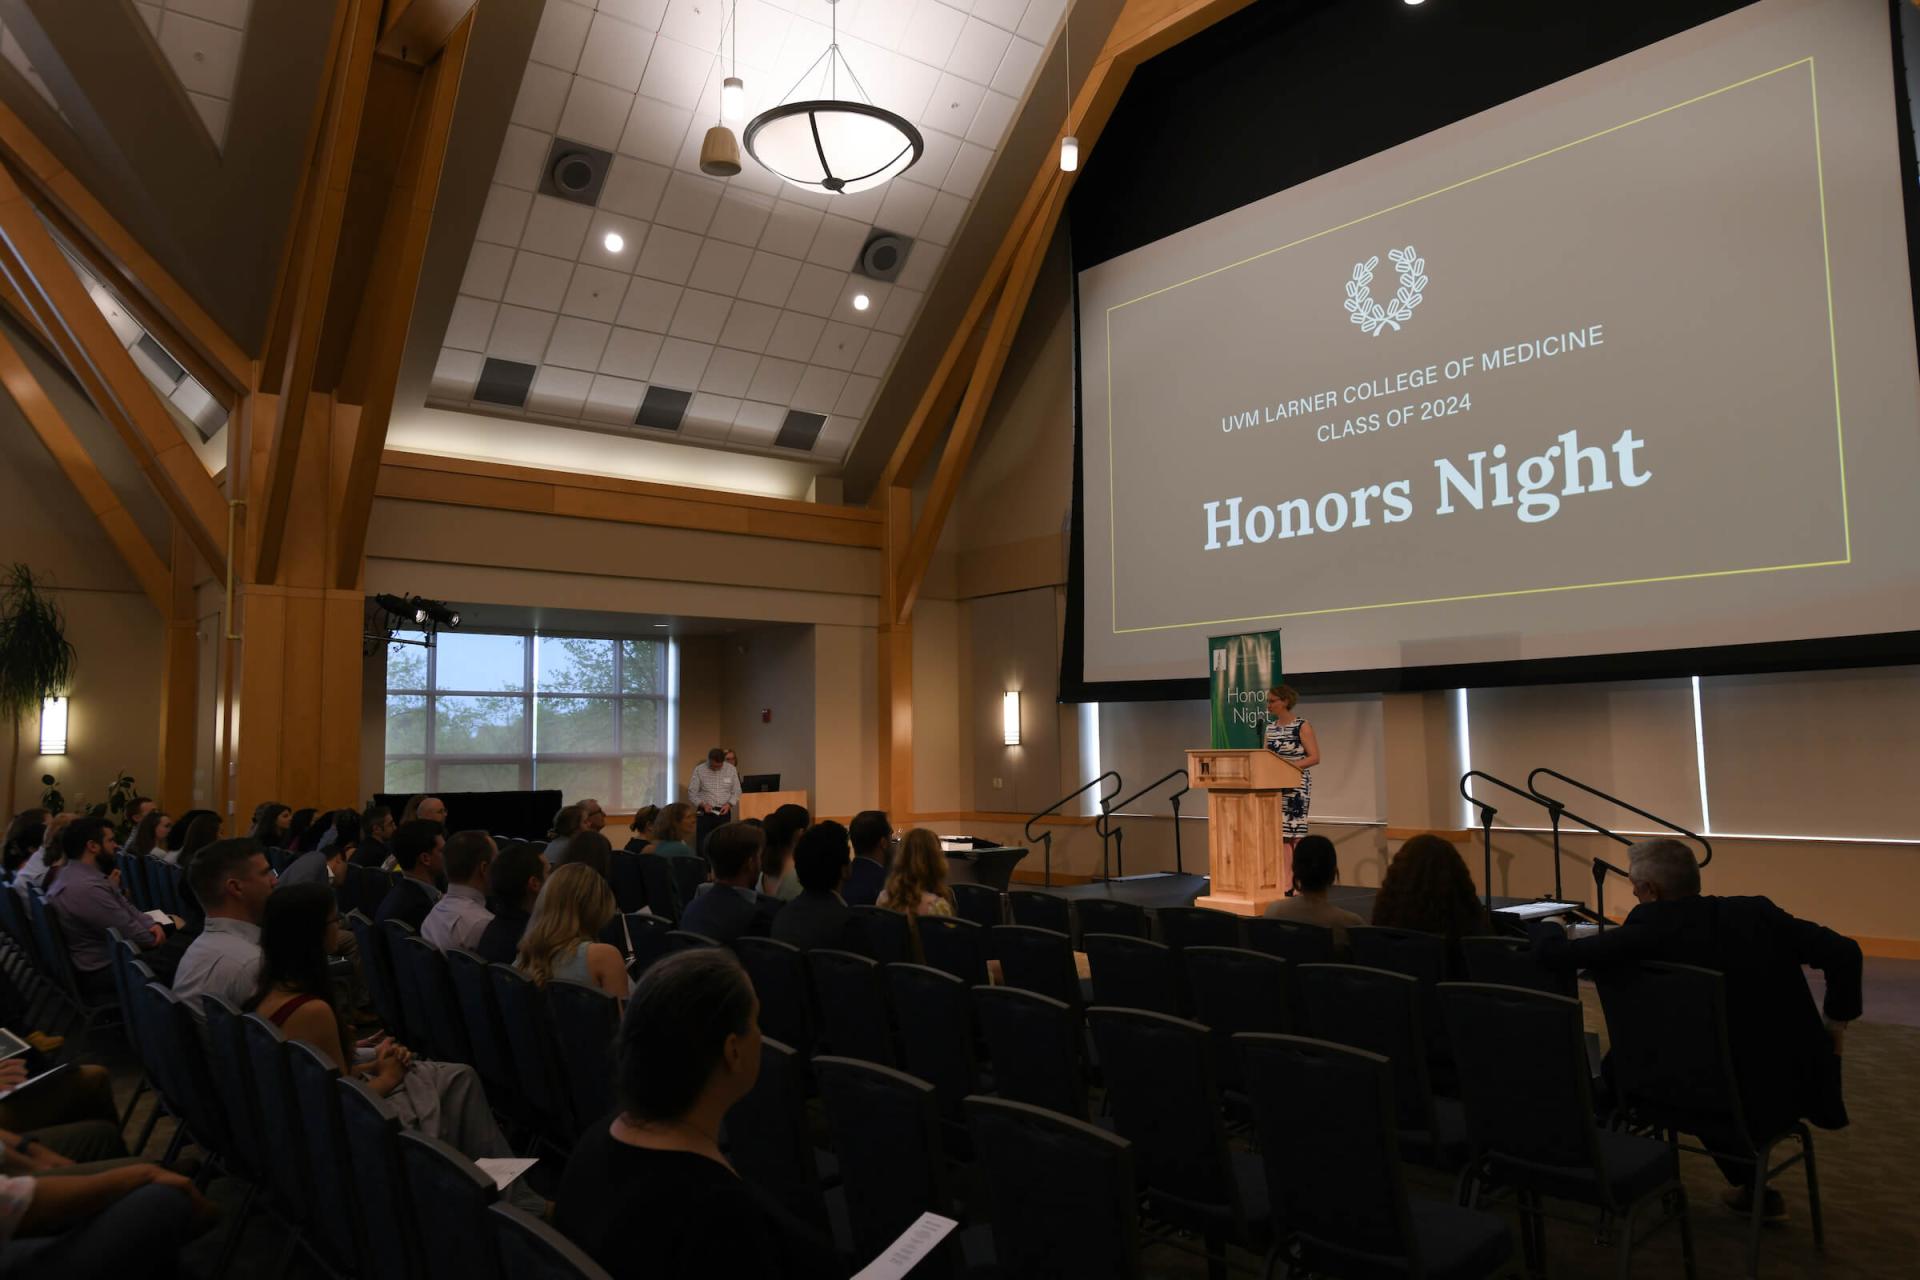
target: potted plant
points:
(36, 659)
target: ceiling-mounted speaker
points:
(883, 255)
(575, 171)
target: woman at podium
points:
(1292, 739)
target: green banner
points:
(1243, 668)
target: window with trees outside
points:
(506, 711)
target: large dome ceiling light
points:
(831, 143)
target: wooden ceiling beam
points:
(418, 31)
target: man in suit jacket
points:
(867, 875)
(417, 847)
(1785, 1060)
(730, 907)
(819, 917)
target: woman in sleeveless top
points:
(562, 940)
(1292, 739)
(918, 885)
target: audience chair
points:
(415, 1014)
(770, 1140)
(1509, 962)
(450, 1197)
(853, 1005)
(1132, 973)
(981, 903)
(656, 879)
(1060, 1193)
(1530, 1119)
(1378, 1011)
(936, 1033)
(646, 939)
(687, 940)
(133, 878)
(1183, 927)
(1294, 941)
(1422, 957)
(485, 1034)
(1160, 1085)
(688, 875)
(228, 1064)
(376, 966)
(954, 946)
(887, 935)
(628, 885)
(57, 962)
(534, 1047)
(1037, 960)
(338, 1225)
(364, 889)
(886, 1132)
(1109, 915)
(372, 1137)
(1672, 1070)
(586, 1021)
(1337, 1187)
(779, 973)
(1035, 1044)
(171, 880)
(421, 963)
(1230, 991)
(529, 1249)
(122, 956)
(174, 1038)
(1041, 910)
(283, 1136)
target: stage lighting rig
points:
(388, 615)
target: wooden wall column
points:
(179, 680)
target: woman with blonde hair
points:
(918, 885)
(562, 941)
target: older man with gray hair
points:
(1786, 1062)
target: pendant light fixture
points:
(1069, 145)
(833, 144)
(733, 90)
(720, 150)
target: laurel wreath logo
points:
(1370, 315)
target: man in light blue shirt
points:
(232, 881)
(461, 915)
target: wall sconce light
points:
(1010, 717)
(53, 726)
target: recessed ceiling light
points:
(661, 624)
(861, 302)
(614, 241)
(1414, 2)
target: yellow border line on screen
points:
(1832, 346)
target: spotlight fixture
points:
(861, 302)
(614, 241)
(388, 615)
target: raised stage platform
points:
(1166, 889)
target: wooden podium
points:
(1246, 849)
(761, 804)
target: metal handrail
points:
(1105, 825)
(1487, 813)
(1046, 837)
(1555, 805)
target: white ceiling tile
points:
(755, 179)
(741, 217)
(676, 73)
(775, 379)
(815, 290)
(709, 417)
(906, 87)
(562, 34)
(818, 389)
(616, 52)
(149, 14)
(730, 372)
(938, 157)
(969, 168)
(954, 104)
(976, 55)
(521, 334)
(790, 229)
(749, 326)
(757, 423)
(649, 304)
(596, 113)
(861, 206)
(921, 263)
(689, 203)
(857, 396)
(543, 92)
(487, 268)
(897, 313)
(846, 313)
(769, 278)
(700, 316)
(456, 374)
(213, 114)
(877, 355)
(632, 233)
(943, 220)
(523, 153)
(905, 206)
(228, 13)
(613, 400)
(680, 363)
(762, 31)
(538, 281)
(836, 436)
(991, 121)
(505, 215)
(668, 254)
(795, 336)
(932, 32)
(205, 55)
(560, 392)
(720, 267)
(1017, 68)
(1041, 20)
(577, 343)
(655, 130)
(1004, 14)
(470, 323)
(839, 346)
(595, 293)
(806, 41)
(633, 188)
(642, 13)
(879, 22)
(697, 23)
(837, 243)
(630, 353)
(556, 227)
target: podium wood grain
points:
(1246, 825)
(761, 804)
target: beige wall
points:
(767, 704)
(846, 721)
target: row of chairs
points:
(151, 883)
(45, 971)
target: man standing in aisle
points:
(714, 793)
